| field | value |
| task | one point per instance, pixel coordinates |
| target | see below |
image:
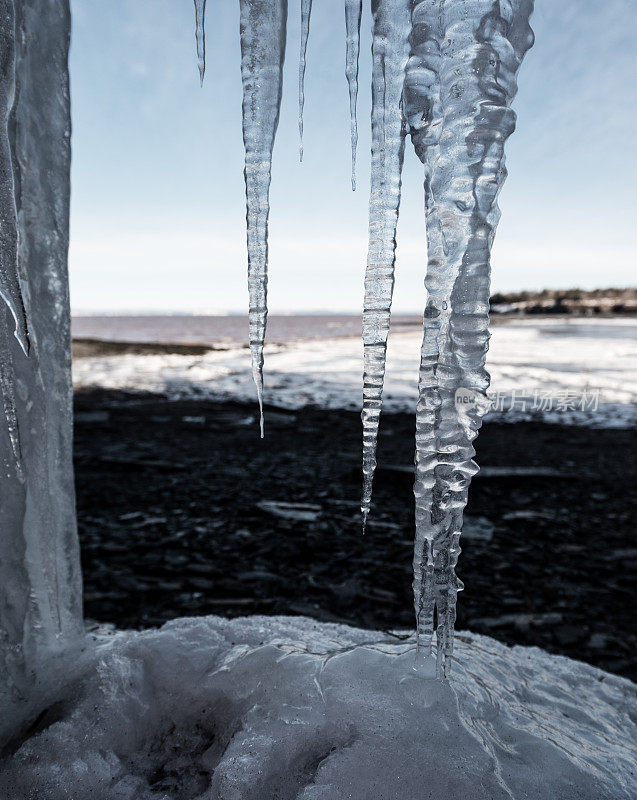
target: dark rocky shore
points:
(183, 510)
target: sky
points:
(158, 208)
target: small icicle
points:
(7, 379)
(390, 50)
(306, 11)
(353, 13)
(263, 29)
(200, 36)
(10, 289)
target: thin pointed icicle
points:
(7, 387)
(306, 11)
(263, 28)
(353, 13)
(10, 290)
(458, 91)
(390, 51)
(200, 36)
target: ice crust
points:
(551, 357)
(262, 708)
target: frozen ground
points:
(281, 707)
(581, 371)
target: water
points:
(227, 330)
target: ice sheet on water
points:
(545, 358)
(262, 708)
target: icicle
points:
(459, 86)
(306, 10)
(200, 36)
(390, 50)
(10, 290)
(263, 28)
(7, 386)
(353, 12)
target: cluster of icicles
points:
(444, 73)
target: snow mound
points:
(264, 708)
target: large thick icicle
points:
(263, 28)
(40, 582)
(353, 13)
(9, 282)
(306, 11)
(200, 37)
(390, 50)
(459, 87)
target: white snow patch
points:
(261, 708)
(555, 358)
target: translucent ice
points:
(390, 50)
(459, 88)
(306, 11)
(9, 281)
(353, 12)
(200, 37)
(40, 584)
(263, 29)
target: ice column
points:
(263, 28)
(460, 83)
(40, 582)
(390, 50)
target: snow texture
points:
(550, 359)
(353, 13)
(390, 49)
(263, 708)
(263, 31)
(40, 583)
(460, 85)
(200, 37)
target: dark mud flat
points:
(183, 510)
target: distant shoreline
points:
(100, 336)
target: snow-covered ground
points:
(581, 371)
(263, 708)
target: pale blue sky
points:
(158, 218)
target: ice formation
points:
(263, 29)
(353, 13)
(390, 49)
(9, 282)
(306, 11)
(40, 584)
(264, 707)
(459, 89)
(444, 71)
(200, 37)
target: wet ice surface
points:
(286, 707)
(555, 358)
